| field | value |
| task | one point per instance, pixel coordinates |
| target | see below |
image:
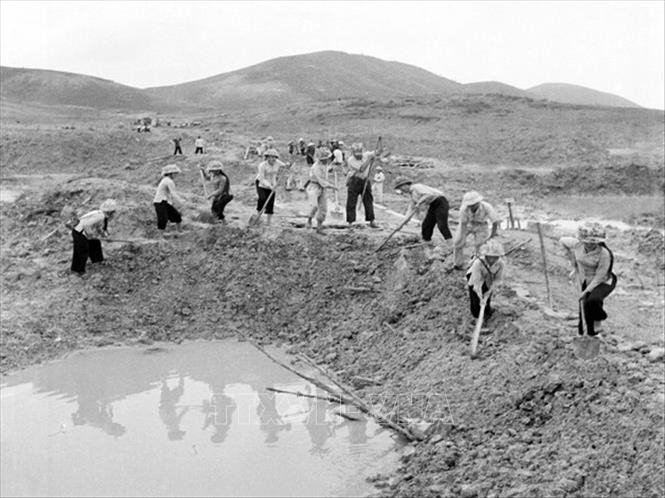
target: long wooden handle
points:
(476, 331)
(547, 278)
(203, 182)
(406, 220)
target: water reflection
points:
(168, 412)
(213, 396)
(271, 421)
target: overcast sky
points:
(611, 46)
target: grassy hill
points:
(575, 94)
(310, 77)
(59, 88)
(497, 88)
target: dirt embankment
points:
(527, 418)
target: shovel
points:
(479, 325)
(336, 210)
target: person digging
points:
(266, 183)
(421, 196)
(316, 188)
(359, 185)
(483, 276)
(221, 188)
(475, 216)
(165, 197)
(592, 263)
(86, 233)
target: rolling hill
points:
(317, 76)
(43, 86)
(575, 94)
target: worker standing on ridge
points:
(177, 150)
(165, 197)
(437, 207)
(483, 276)
(266, 182)
(85, 236)
(198, 144)
(377, 186)
(316, 188)
(358, 184)
(592, 263)
(221, 188)
(475, 214)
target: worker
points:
(86, 233)
(424, 196)
(301, 146)
(377, 185)
(475, 215)
(483, 276)
(166, 197)
(178, 149)
(220, 193)
(359, 184)
(310, 152)
(316, 188)
(292, 148)
(592, 263)
(266, 183)
(198, 144)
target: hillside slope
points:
(59, 88)
(316, 76)
(576, 94)
(496, 87)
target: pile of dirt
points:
(606, 179)
(526, 412)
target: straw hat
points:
(357, 147)
(170, 169)
(472, 197)
(401, 181)
(215, 166)
(109, 206)
(271, 153)
(492, 248)
(591, 233)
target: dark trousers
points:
(198, 150)
(85, 248)
(166, 212)
(263, 194)
(177, 150)
(219, 204)
(355, 190)
(437, 214)
(475, 303)
(593, 305)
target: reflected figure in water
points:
(357, 428)
(96, 413)
(167, 409)
(271, 420)
(218, 413)
(319, 428)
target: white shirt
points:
(360, 167)
(198, 142)
(478, 274)
(421, 195)
(267, 175)
(166, 191)
(483, 214)
(92, 223)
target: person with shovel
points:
(266, 183)
(316, 188)
(592, 263)
(165, 197)
(86, 233)
(359, 184)
(221, 187)
(484, 274)
(475, 215)
(424, 196)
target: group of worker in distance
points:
(591, 259)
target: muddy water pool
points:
(193, 419)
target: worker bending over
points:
(86, 233)
(421, 196)
(484, 274)
(475, 217)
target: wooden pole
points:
(510, 213)
(401, 225)
(476, 331)
(547, 278)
